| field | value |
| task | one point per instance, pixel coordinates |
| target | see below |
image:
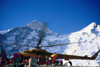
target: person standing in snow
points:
(3, 57)
(17, 58)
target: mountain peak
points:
(91, 27)
(93, 24)
(35, 25)
(35, 20)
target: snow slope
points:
(90, 34)
(29, 35)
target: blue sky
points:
(64, 16)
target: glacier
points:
(29, 35)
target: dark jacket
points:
(3, 56)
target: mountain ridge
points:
(30, 36)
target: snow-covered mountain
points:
(29, 35)
(37, 25)
(90, 34)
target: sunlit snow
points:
(89, 36)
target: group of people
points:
(16, 59)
